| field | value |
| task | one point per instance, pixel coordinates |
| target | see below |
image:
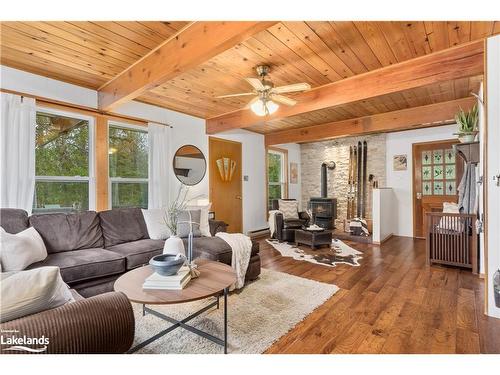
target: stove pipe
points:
(324, 177)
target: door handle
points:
(238, 197)
(419, 195)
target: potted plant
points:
(174, 244)
(467, 124)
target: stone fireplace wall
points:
(313, 154)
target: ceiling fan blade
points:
(251, 102)
(292, 88)
(255, 83)
(283, 100)
(233, 95)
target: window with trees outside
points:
(63, 162)
(276, 175)
(128, 166)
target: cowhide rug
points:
(339, 252)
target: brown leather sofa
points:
(93, 249)
(285, 228)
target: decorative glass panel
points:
(450, 172)
(449, 156)
(438, 172)
(426, 172)
(450, 188)
(437, 156)
(427, 188)
(438, 187)
(426, 157)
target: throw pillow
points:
(155, 222)
(204, 225)
(32, 291)
(290, 209)
(187, 220)
(20, 250)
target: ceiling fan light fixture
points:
(263, 107)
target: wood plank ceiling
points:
(91, 53)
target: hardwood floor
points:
(392, 303)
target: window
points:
(276, 175)
(63, 162)
(128, 166)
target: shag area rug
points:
(338, 252)
(262, 312)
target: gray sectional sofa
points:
(93, 249)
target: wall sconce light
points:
(226, 168)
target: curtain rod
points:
(81, 107)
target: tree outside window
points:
(276, 175)
(128, 166)
(62, 163)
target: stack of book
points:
(174, 282)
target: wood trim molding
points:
(406, 119)
(191, 46)
(102, 164)
(458, 62)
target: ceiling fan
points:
(267, 96)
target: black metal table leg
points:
(182, 324)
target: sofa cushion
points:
(139, 252)
(64, 232)
(123, 225)
(13, 220)
(215, 248)
(79, 265)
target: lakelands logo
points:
(22, 343)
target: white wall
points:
(401, 181)
(294, 190)
(186, 130)
(254, 166)
(384, 219)
(493, 168)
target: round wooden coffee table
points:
(215, 279)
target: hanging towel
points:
(467, 190)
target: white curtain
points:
(160, 162)
(17, 154)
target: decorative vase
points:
(466, 137)
(174, 245)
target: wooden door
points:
(226, 188)
(437, 172)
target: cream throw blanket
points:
(242, 247)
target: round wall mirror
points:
(190, 165)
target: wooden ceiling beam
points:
(406, 119)
(190, 47)
(458, 62)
